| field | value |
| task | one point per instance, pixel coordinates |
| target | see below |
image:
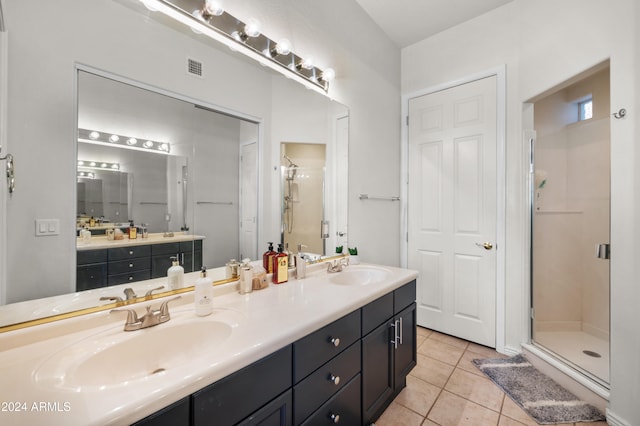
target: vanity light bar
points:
(121, 141)
(86, 175)
(98, 165)
(245, 38)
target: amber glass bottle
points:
(280, 266)
(267, 259)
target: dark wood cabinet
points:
(91, 269)
(346, 372)
(389, 351)
(188, 254)
(237, 396)
(103, 267)
(176, 414)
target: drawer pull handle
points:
(335, 341)
(335, 418)
(335, 379)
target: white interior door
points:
(452, 209)
(248, 201)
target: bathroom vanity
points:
(104, 263)
(325, 349)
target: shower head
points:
(291, 163)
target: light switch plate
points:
(47, 227)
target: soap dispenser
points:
(203, 294)
(267, 259)
(280, 266)
(175, 274)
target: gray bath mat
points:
(543, 399)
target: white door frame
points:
(500, 73)
(4, 68)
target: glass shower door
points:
(570, 227)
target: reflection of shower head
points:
(291, 163)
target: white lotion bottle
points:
(203, 294)
(175, 274)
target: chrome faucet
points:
(149, 319)
(129, 295)
(337, 265)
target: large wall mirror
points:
(219, 181)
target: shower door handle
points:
(603, 251)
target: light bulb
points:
(115, 166)
(213, 8)
(148, 144)
(92, 164)
(94, 135)
(307, 64)
(283, 47)
(252, 28)
(164, 147)
(80, 163)
(132, 141)
(329, 74)
(197, 14)
(114, 138)
(103, 165)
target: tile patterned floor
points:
(446, 389)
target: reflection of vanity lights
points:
(86, 175)
(98, 165)
(214, 22)
(121, 141)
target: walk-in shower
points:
(570, 203)
(303, 195)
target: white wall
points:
(544, 43)
(112, 36)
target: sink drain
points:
(592, 354)
(157, 370)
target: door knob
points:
(487, 245)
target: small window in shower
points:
(585, 109)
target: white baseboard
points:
(614, 420)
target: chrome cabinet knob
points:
(335, 341)
(130, 251)
(131, 265)
(335, 418)
(334, 379)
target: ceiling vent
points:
(194, 67)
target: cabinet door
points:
(160, 264)
(405, 353)
(91, 276)
(176, 414)
(275, 413)
(377, 374)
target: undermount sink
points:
(360, 275)
(115, 357)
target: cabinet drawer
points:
(343, 407)
(130, 277)
(312, 351)
(122, 253)
(170, 249)
(176, 414)
(404, 296)
(132, 265)
(235, 397)
(376, 312)
(91, 256)
(313, 391)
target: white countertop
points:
(101, 241)
(267, 320)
